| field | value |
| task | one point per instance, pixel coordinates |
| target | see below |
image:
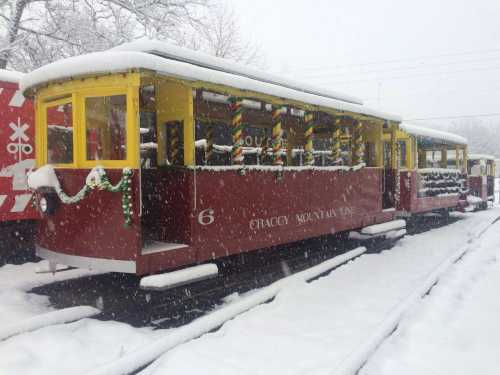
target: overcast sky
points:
(416, 58)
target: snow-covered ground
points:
(455, 330)
(313, 328)
(309, 328)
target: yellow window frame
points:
(42, 154)
(132, 127)
(75, 91)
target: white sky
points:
(445, 53)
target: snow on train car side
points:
(17, 152)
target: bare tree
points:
(219, 34)
(36, 32)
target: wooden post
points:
(237, 131)
(308, 135)
(276, 136)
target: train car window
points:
(257, 145)
(387, 155)
(105, 126)
(433, 159)
(370, 154)
(173, 143)
(402, 154)
(60, 134)
(322, 151)
(148, 133)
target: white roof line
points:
(204, 60)
(10, 76)
(424, 132)
(121, 61)
(481, 156)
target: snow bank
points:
(72, 348)
(176, 278)
(209, 322)
(433, 133)
(44, 320)
(10, 76)
(170, 51)
(355, 361)
(122, 61)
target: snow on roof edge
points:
(10, 76)
(432, 133)
(481, 156)
(120, 61)
(170, 51)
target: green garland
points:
(101, 182)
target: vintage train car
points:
(481, 180)
(167, 158)
(428, 182)
(17, 158)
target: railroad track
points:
(138, 360)
(120, 298)
(357, 359)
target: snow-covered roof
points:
(122, 61)
(205, 60)
(10, 76)
(434, 134)
(480, 156)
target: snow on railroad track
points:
(145, 356)
(70, 314)
(307, 328)
(455, 329)
(319, 327)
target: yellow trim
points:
(44, 131)
(174, 102)
(130, 161)
(77, 90)
(268, 99)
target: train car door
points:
(388, 176)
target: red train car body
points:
(481, 179)
(17, 151)
(195, 219)
(433, 177)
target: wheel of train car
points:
(48, 203)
